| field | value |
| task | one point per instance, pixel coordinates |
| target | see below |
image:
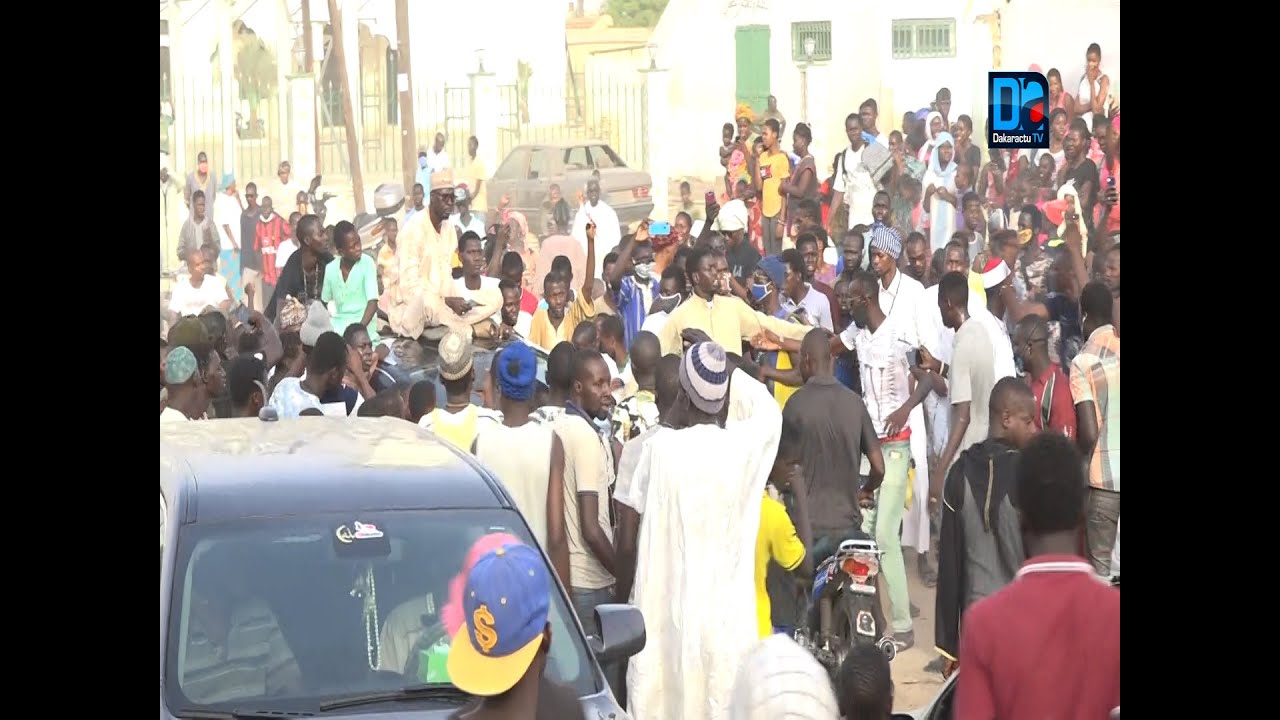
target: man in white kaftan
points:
(695, 557)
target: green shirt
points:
(350, 296)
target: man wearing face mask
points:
(673, 288)
(726, 319)
(633, 282)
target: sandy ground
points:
(913, 687)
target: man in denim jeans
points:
(882, 345)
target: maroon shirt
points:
(838, 321)
(1062, 414)
(1047, 646)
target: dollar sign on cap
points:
(485, 635)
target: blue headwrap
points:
(517, 371)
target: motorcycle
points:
(844, 592)
(388, 199)
(317, 201)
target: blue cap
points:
(773, 266)
(505, 605)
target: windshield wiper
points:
(235, 714)
(411, 692)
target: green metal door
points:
(752, 43)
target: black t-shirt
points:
(293, 282)
(555, 702)
(835, 431)
(742, 260)
(345, 395)
(250, 256)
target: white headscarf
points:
(930, 141)
(733, 216)
(943, 174)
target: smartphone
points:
(242, 314)
(913, 357)
(710, 197)
(1111, 182)
(660, 228)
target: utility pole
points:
(348, 113)
(404, 83)
(309, 68)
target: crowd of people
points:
(921, 348)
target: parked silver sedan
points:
(529, 171)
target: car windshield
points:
(285, 613)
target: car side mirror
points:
(622, 633)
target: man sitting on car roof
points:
(415, 294)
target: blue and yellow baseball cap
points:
(505, 603)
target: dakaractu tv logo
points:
(1018, 109)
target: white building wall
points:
(695, 40)
(1087, 21)
(911, 84)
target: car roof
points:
(227, 469)
(563, 145)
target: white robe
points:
(915, 522)
(695, 570)
(608, 232)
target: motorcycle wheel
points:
(847, 634)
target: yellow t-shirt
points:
(776, 540)
(542, 334)
(774, 168)
(975, 285)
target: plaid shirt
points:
(1095, 377)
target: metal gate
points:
(445, 110)
(613, 111)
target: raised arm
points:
(618, 271)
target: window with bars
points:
(820, 35)
(929, 38)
